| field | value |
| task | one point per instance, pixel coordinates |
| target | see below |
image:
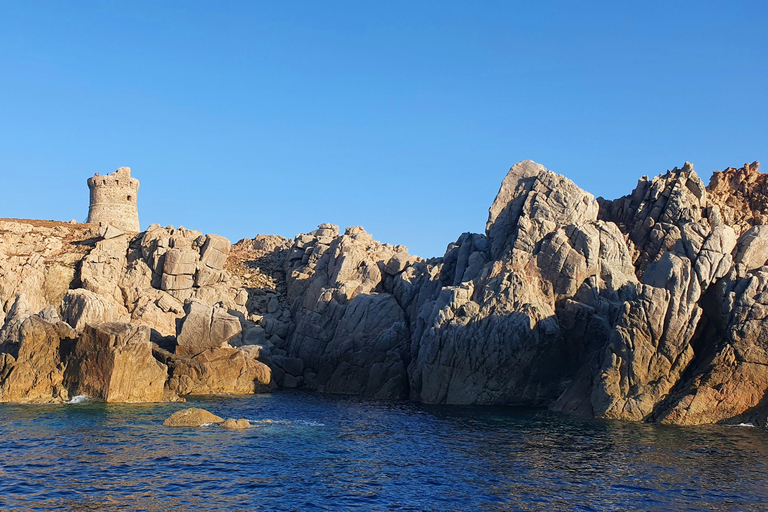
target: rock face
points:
(739, 197)
(218, 371)
(349, 331)
(652, 306)
(31, 367)
(205, 327)
(634, 308)
(113, 362)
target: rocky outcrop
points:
(171, 285)
(113, 362)
(218, 371)
(349, 329)
(32, 366)
(592, 306)
(648, 307)
(532, 202)
(738, 197)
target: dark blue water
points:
(312, 452)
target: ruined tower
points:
(113, 200)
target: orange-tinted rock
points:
(114, 362)
(218, 371)
(192, 417)
(741, 196)
(32, 370)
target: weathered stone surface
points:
(531, 203)
(218, 371)
(752, 251)
(214, 252)
(81, 308)
(658, 210)
(180, 261)
(38, 259)
(114, 362)
(105, 266)
(205, 327)
(349, 330)
(170, 282)
(32, 370)
(192, 417)
(730, 381)
(739, 197)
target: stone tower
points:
(113, 200)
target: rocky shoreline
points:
(650, 307)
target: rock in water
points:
(234, 424)
(192, 417)
(32, 370)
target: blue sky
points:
(272, 117)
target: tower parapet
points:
(113, 200)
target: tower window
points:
(130, 198)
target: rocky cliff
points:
(649, 307)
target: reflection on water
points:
(310, 452)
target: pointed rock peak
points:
(532, 202)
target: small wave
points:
(310, 423)
(745, 425)
(207, 424)
(79, 399)
(303, 423)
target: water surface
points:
(314, 452)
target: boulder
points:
(81, 308)
(113, 362)
(104, 267)
(214, 252)
(204, 327)
(32, 369)
(233, 424)
(192, 417)
(180, 262)
(218, 371)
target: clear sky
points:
(272, 117)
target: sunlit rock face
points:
(616, 309)
(125, 317)
(648, 307)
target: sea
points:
(310, 452)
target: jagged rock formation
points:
(125, 317)
(739, 197)
(626, 309)
(652, 307)
(348, 329)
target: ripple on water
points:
(310, 452)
